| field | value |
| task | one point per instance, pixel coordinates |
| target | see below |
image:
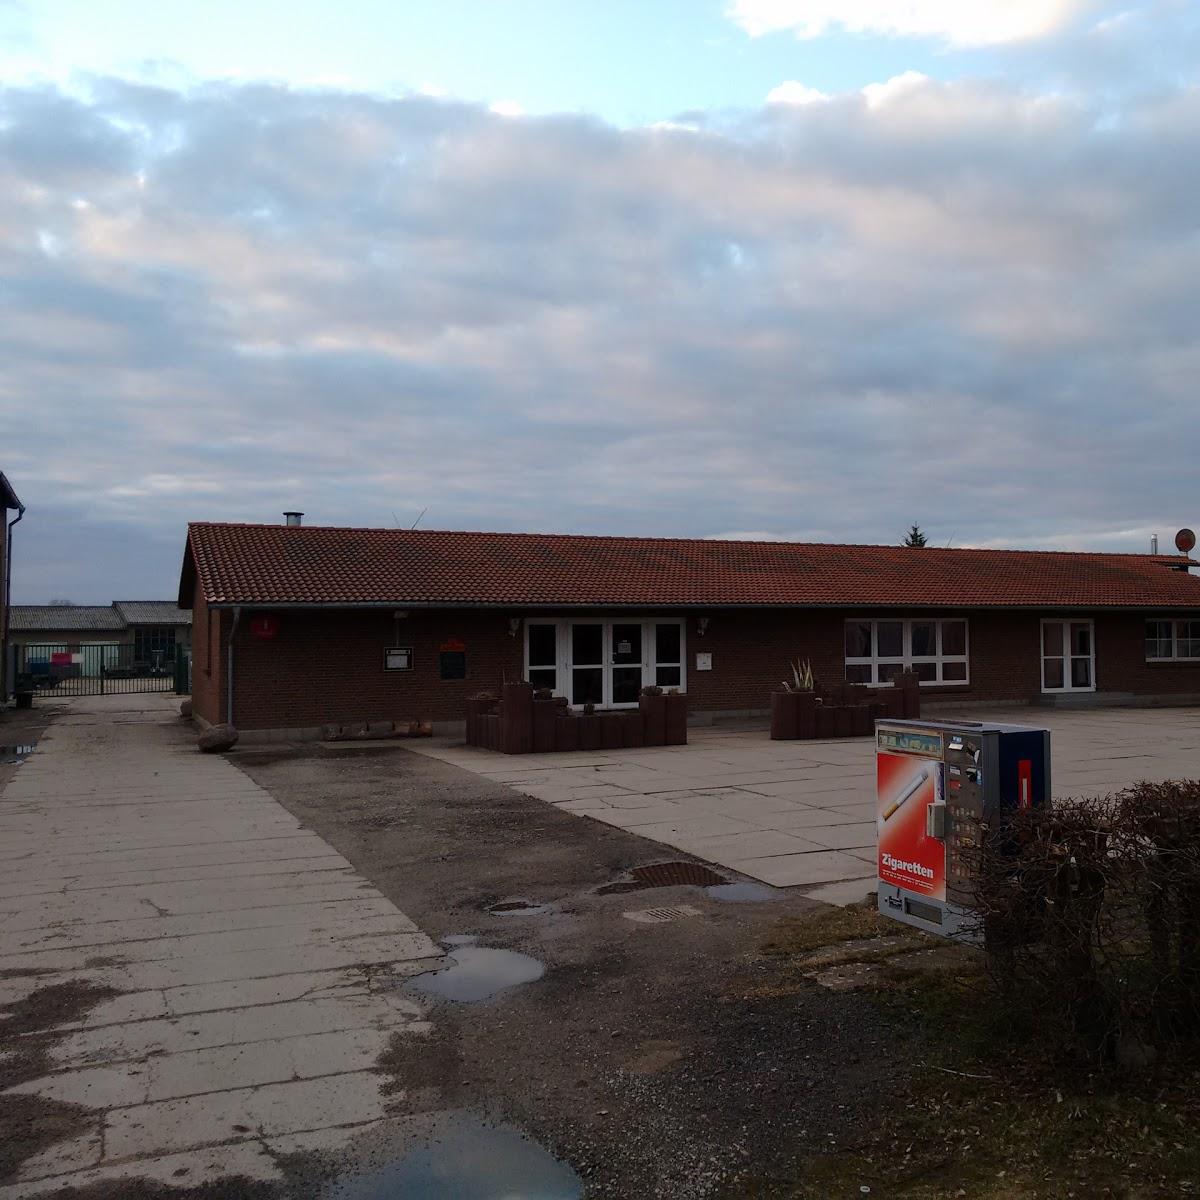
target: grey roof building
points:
(152, 621)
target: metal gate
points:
(96, 669)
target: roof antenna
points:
(950, 539)
(419, 516)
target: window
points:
(668, 654)
(935, 648)
(541, 649)
(1173, 640)
(606, 663)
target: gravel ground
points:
(637, 1057)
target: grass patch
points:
(829, 927)
(986, 1109)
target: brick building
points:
(8, 503)
(297, 626)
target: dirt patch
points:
(31, 1123)
(231, 1188)
(640, 1057)
(28, 1029)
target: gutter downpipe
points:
(237, 616)
(7, 631)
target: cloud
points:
(962, 304)
(959, 22)
(792, 92)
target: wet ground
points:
(585, 1048)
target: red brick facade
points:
(327, 665)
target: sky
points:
(799, 269)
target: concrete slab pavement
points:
(241, 949)
(802, 814)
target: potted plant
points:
(793, 709)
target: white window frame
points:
(649, 665)
(906, 659)
(1176, 639)
(1066, 622)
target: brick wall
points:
(327, 665)
(208, 660)
(5, 683)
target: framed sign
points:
(398, 658)
(704, 661)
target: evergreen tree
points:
(914, 537)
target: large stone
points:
(185, 709)
(217, 738)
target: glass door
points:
(587, 663)
(1068, 656)
(627, 664)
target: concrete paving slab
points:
(822, 792)
(243, 1114)
(241, 946)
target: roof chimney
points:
(1154, 543)
(293, 518)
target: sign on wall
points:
(398, 658)
(264, 628)
(704, 661)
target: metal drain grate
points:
(660, 916)
(664, 874)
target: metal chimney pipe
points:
(294, 518)
(1154, 543)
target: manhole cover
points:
(660, 916)
(664, 874)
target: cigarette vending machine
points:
(941, 785)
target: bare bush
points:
(1090, 914)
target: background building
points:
(154, 628)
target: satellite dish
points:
(1185, 541)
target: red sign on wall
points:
(264, 628)
(452, 645)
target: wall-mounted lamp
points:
(514, 626)
(701, 625)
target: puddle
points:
(477, 972)
(455, 1156)
(517, 908)
(16, 754)
(743, 893)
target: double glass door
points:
(605, 663)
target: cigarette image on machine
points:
(911, 790)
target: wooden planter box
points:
(517, 718)
(612, 730)
(589, 732)
(793, 715)
(566, 733)
(654, 720)
(676, 720)
(545, 717)
(785, 716)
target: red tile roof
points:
(272, 565)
